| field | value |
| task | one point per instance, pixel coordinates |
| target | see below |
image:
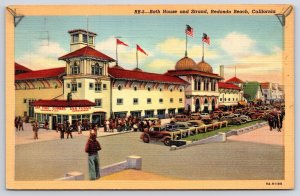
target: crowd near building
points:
(94, 87)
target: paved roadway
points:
(234, 159)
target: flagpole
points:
(116, 53)
(186, 45)
(137, 58)
(202, 50)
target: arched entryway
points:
(213, 105)
(197, 105)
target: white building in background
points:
(272, 92)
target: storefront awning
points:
(63, 103)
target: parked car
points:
(243, 118)
(195, 116)
(181, 118)
(156, 133)
(196, 123)
(232, 120)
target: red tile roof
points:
(234, 80)
(143, 76)
(228, 86)
(63, 103)
(192, 72)
(22, 68)
(39, 74)
(87, 52)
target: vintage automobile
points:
(243, 118)
(181, 118)
(157, 133)
(232, 120)
(195, 116)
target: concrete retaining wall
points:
(132, 162)
(221, 137)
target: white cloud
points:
(160, 65)
(238, 45)
(176, 47)
(260, 67)
(43, 56)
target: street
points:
(234, 159)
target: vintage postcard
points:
(150, 97)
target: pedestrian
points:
(35, 129)
(61, 131)
(107, 123)
(20, 125)
(270, 121)
(46, 125)
(92, 147)
(279, 121)
(69, 131)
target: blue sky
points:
(253, 44)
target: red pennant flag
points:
(119, 42)
(141, 50)
(205, 38)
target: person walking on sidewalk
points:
(92, 147)
(35, 129)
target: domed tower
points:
(185, 63)
(204, 66)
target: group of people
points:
(128, 123)
(275, 119)
(19, 123)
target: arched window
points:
(119, 87)
(135, 88)
(97, 69)
(75, 69)
(195, 84)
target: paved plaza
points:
(246, 156)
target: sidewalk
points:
(26, 136)
(262, 135)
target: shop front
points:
(59, 111)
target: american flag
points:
(189, 31)
(205, 38)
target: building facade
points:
(230, 95)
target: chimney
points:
(222, 71)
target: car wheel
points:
(146, 139)
(167, 141)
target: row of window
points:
(229, 99)
(149, 101)
(92, 86)
(96, 69)
(197, 85)
(85, 38)
(148, 88)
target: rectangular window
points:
(91, 86)
(91, 40)
(84, 38)
(74, 88)
(98, 102)
(68, 85)
(135, 101)
(75, 38)
(98, 87)
(161, 100)
(104, 87)
(119, 101)
(171, 100)
(148, 100)
(25, 101)
(79, 85)
(180, 100)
